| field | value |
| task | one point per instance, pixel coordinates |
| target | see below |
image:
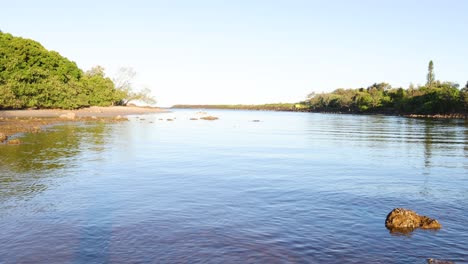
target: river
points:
(290, 188)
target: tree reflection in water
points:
(26, 169)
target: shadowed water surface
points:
(292, 188)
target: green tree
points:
(124, 86)
(430, 74)
(32, 76)
(464, 97)
(101, 89)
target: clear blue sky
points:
(248, 51)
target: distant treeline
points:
(440, 98)
(33, 77)
(433, 98)
(272, 107)
(437, 98)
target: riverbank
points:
(96, 111)
(440, 116)
(264, 107)
(32, 121)
(289, 107)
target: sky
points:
(251, 51)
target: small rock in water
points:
(3, 137)
(35, 129)
(170, 119)
(68, 116)
(404, 221)
(210, 118)
(193, 118)
(120, 118)
(14, 142)
(256, 120)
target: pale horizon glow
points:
(251, 52)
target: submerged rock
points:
(120, 118)
(210, 118)
(404, 221)
(68, 116)
(193, 118)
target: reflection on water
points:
(25, 167)
(293, 188)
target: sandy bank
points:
(32, 121)
(84, 112)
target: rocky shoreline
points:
(440, 116)
(13, 122)
(302, 109)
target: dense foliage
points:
(31, 76)
(434, 97)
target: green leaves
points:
(430, 74)
(32, 76)
(439, 98)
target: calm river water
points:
(292, 188)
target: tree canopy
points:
(435, 97)
(33, 77)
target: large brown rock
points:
(404, 220)
(439, 261)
